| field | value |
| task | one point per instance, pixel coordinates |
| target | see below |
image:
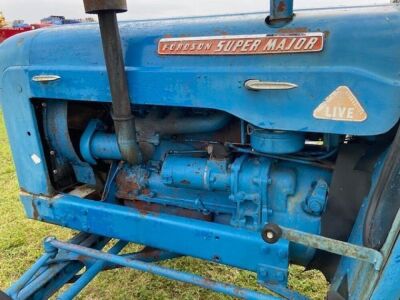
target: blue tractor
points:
(252, 140)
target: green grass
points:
(21, 243)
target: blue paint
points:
(56, 131)
(192, 237)
(89, 274)
(276, 142)
(387, 286)
(96, 144)
(158, 270)
(203, 81)
(204, 187)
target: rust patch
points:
(149, 254)
(145, 208)
(35, 211)
(185, 182)
(281, 6)
(293, 30)
(209, 282)
(222, 32)
(145, 191)
(126, 182)
(128, 185)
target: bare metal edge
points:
(45, 78)
(258, 85)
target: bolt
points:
(315, 206)
(270, 235)
(48, 247)
(55, 171)
(210, 149)
(52, 152)
(44, 104)
(216, 258)
(280, 276)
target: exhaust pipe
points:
(281, 12)
(124, 121)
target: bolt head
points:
(315, 207)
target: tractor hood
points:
(349, 83)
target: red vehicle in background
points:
(17, 26)
(7, 32)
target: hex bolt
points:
(315, 206)
(48, 247)
(271, 233)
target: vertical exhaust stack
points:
(124, 121)
(281, 12)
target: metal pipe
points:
(273, 233)
(124, 121)
(96, 144)
(104, 146)
(225, 288)
(24, 279)
(281, 10)
(90, 273)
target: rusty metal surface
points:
(97, 6)
(145, 208)
(334, 246)
(225, 288)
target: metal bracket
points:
(271, 235)
(105, 260)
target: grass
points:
(21, 244)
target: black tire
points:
(4, 296)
